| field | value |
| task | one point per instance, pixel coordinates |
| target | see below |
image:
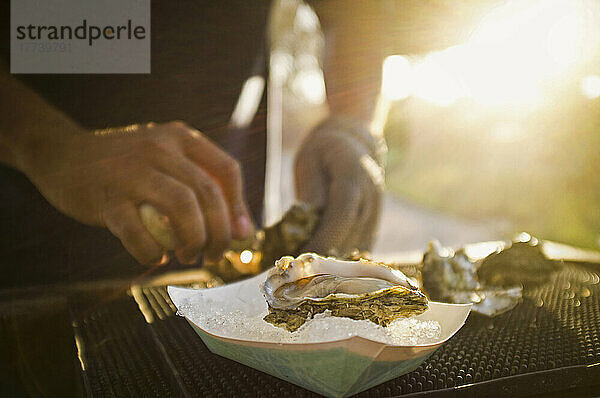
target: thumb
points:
(310, 180)
(338, 219)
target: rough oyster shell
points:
(268, 244)
(298, 288)
(453, 277)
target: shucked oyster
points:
(298, 288)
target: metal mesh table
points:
(548, 344)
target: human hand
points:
(339, 169)
(103, 178)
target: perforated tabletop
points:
(548, 344)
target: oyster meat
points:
(298, 288)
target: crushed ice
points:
(228, 320)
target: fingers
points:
(370, 231)
(352, 197)
(228, 173)
(187, 178)
(310, 179)
(158, 225)
(343, 203)
(124, 222)
(212, 201)
(365, 225)
(178, 202)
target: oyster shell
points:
(521, 262)
(259, 252)
(298, 288)
(452, 277)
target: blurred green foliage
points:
(542, 177)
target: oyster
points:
(259, 252)
(452, 277)
(449, 276)
(298, 288)
(522, 262)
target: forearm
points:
(352, 90)
(28, 124)
(353, 58)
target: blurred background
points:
(491, 110)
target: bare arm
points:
(355, 48)
(338, 167)
(102, 177)
(27, 123)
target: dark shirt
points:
(202, 52)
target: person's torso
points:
(201, 51)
